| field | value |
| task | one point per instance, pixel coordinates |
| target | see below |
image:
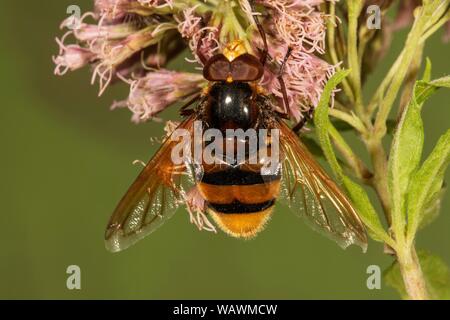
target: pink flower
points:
(196, 208)
(116, 9)
(191, 27)
(128, 38)
(301, 26)
(157, 90)
(195, 200)
(71, 57)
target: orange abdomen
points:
(240, 201)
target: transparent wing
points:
(152, 199)
(313, 195)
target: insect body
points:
(238, 193)
(238, 196)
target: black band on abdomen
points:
(241, 208)
(237, 177)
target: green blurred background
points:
(66, 161)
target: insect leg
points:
(306, 117)
(265, 50)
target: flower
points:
(71, 57)
(196, 208)
(134, 40)
(191, 27)
(157, 90)
(300, 26)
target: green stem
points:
(380, 169)
(395, 80)
(414, 39)
(354, 10)
(437, 25)
(380, 92)
(331, 41)
(404, 71)
(231, 27)
(410, 80)
(350, 119)
(412, 274)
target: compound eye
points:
(246, 68)
(217, 68)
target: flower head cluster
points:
(301, 27)
(134, 40)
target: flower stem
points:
(414, 39)
(380, 174)
(410, 80)
(350, 119)
(411, 271)
(331, 41)
(429, 17)
(354, 10)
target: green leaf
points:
(406, 149)
(435, 271)
(366, 211)
(427, 72)
(424, 89)
(427, 184)
(432, 208)
(443, 82)
(404, 159)
(357, 194)
(322, 121)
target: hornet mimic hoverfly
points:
(238, 195)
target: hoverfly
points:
(238, 196)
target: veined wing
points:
(152, 199)
(313, 195)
